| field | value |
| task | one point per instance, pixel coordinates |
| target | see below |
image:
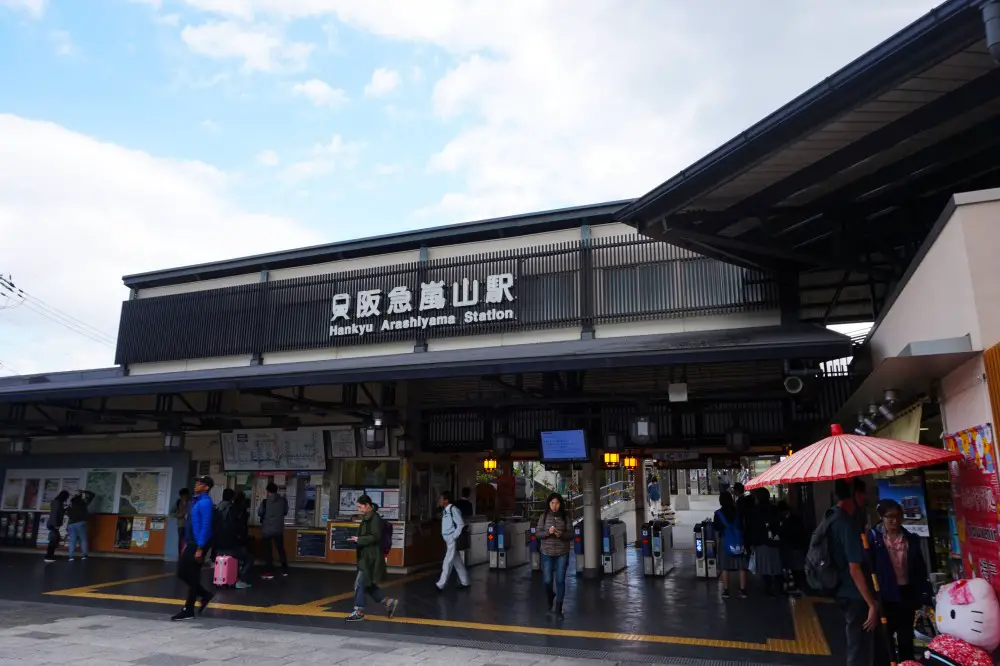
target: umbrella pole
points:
(890, 640)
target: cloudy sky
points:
(144, 134)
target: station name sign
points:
(436, 304)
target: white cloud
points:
(320, 93)
(388, 169)
(155, 4)
(268, 158)
(62, 43)
(259, 48)
(209, 126)
(34, 8)
(324, 158)
(566, 102)
(94, 210)
(383, 82)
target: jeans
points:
(452, 560)
(555, 566)
(860, 643)
(362, 587)
(77, 533)
(189, 571)
(50, 552)
(279, 543)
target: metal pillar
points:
(591, 522)
(640, 502)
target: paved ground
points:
(41, 634)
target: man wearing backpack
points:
(371, 562)
(836, 564)
(452, 526)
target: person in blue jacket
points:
(198, 540)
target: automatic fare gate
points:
(657, 548)
(508, 542)
(614, 546)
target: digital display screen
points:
(564, 446)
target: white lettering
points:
(368, 303)
(498, 288)
(400, 301)
(488, 315)
(464, 298)
(340, 307)
(432, 296)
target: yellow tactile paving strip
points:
(809, 637)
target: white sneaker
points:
(72, 559)
(49, 560)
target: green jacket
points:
(371, 562)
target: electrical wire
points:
(4, 366)
(53, 314)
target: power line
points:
(43, 309)
(8, 368)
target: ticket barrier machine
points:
(534, 549)
(507, 542)
(578, 547)
(614, 548)
(706, 558)
(657, 548)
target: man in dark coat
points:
(371, 562)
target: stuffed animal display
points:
(967, 616)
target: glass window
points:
(370, 473)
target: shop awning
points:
(912, 372)
(722, 346)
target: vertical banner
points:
(905, 427)
(976, 491)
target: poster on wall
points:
(908, 490)
(103, 483)
(348, 505)
(123, 534)
(976, 492)
(343, 442)
(274, 450)
(144, 492)
(12, 494)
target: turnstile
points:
(478, 552)
(614, 548)
(507, 542)
(657, 548)
(534, 549)
(706, 562)
(578, 547)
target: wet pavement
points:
(620, 618)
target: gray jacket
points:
(272, 514)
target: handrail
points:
(619, 491)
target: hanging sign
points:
(976, 493)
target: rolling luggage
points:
(226, 571)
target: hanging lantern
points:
(631, 462)
(490, 464)
(612, 460)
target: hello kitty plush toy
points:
(967, 616)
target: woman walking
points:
(732, 552)
(57, 513)
(902, 576)
(555, 534)
(77, 529)
(762, 535)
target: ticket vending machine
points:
(706, 562)
(507, 542)
(578, 547)
(614, 548)
(534, 548)
(657, 548)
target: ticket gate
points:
(614, 547)
(657, 548)
(507, 542)
(706, 559)
(534, 549)
(578, 547)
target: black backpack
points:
(821, 570)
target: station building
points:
(396, 365)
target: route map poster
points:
(274, 450)
(144, 493)
(976, 492)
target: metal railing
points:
(619, 491)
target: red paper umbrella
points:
(841, 456)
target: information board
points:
(564, 446)
(311, 544)
(340, 536)
(274, 450)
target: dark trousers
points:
(279, 543)
(189, 571)
(860, 643)
(244, 559)
(50, 552)
(899, 617)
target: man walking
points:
(371, 562)
(197, 539)
(272, 514)
(452, 525)
(853, 594)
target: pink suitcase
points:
(226, 569)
